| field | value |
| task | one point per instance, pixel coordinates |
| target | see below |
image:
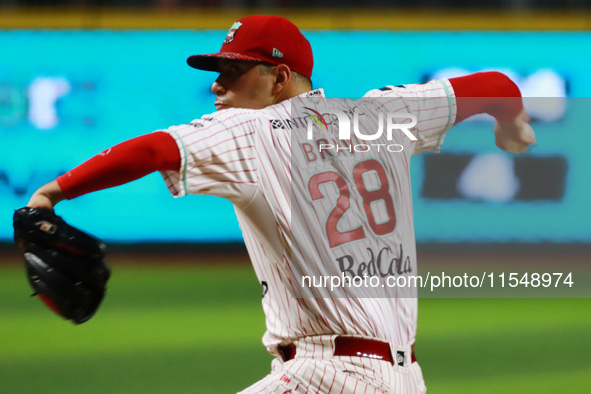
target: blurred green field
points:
(195, 329)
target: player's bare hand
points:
(515, 136)
(46, 196)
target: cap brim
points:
(209, 62)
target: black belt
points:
(356, 347)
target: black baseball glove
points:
(64, 265)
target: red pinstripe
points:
(321, 380)
(213, 162)
(209, 147)
(221, 173)
(228, 151)
(332, 383)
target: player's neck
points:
(290, 91)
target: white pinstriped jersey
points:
(246, 156)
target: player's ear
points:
(282, 75)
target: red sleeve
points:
(487, 92)
(123, 163)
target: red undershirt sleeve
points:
(487, 92)
(123, 163)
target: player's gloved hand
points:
(515, 136)
(64, 265)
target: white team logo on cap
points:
(231, 32)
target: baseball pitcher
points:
(321, 189)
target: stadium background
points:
(183, 311)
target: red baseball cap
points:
(262, 38)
